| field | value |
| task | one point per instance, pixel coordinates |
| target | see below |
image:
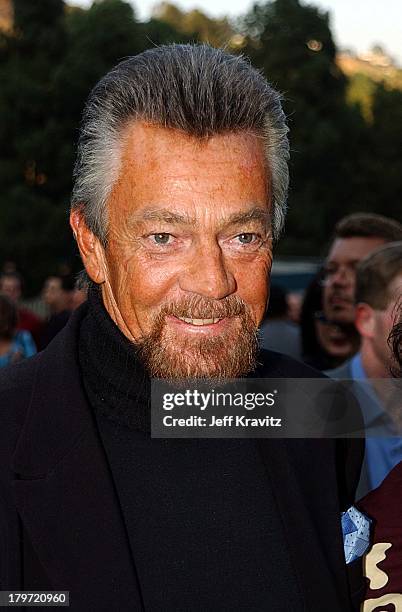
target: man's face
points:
(340, 276)
(189, 250)
(52, 293)
(11, 287)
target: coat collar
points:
(57, 383)
(310, 511)
(63, 480)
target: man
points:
(355, 237)
(378, 291)
(57, 295)
(325, 345)
(11, 286)
(180, 190)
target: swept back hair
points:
(197, 89)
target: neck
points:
(373, 366)
(376, 371)
(116, 383)
(56, 308)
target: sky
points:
(356, 24)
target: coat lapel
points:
(311, 517)
(64, 491)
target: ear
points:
(91, 251)
(365, 320)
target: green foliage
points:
(29, 176)
(360, 91)
(383, 161)
(292, 43)
(196, 25)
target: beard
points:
(231, 354)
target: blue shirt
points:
(382, 453)
(22, 347)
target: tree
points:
(30, 55)
(382, 160)
(293, 45)
(195, 24)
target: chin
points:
(216, 357)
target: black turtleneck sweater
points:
(204, 506)
(116, 384)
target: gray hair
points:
(197, 89)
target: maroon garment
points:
(383, 562)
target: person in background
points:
(382, 563)
(324, 344)
(355, 237)
(14, 345)
(11, 286)
(378, 289)
(57, 294)
(277, 333)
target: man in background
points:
(11, 286)
(378, 291)
(355, 237)
(57, 294)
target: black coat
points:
(61, 526)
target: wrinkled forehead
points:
(144, 142)
(352, 249)
(162, 166)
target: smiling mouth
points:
(199, 322)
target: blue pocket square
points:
(356, 533)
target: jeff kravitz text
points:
(225, 421)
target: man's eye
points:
(161, 238)
(247, 238)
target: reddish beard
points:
(231, 354)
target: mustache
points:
(200, 307)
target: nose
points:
(207, 274)
(342, 277)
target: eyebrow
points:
(175, 218)
(255, 214)
(164, 215)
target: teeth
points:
(199, 321)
